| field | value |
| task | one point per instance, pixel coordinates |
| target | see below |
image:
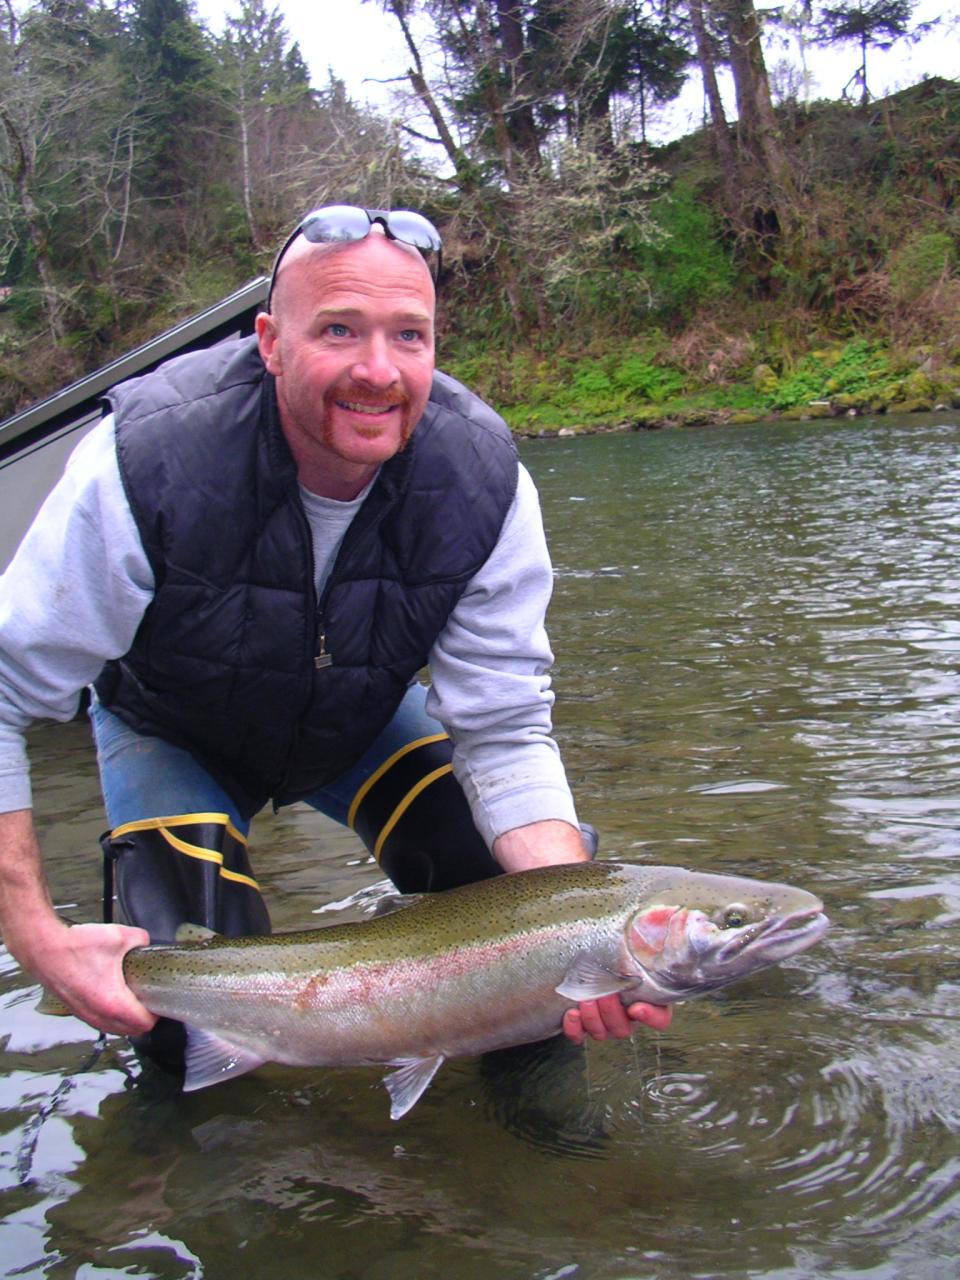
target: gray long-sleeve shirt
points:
(77, 589)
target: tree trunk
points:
(488, 65)
(455, 154)
(127, 180)
(758, 130)
(519, 112)
(245, 178)
(21, 174)
(718, 119)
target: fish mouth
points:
(778, 937)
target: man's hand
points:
(83, 966)
(607, 1017)
(546, 844)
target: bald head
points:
(375, 253)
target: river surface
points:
(758, 640)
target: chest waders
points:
(163, 872)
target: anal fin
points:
(409, 1082)
(52, 1005)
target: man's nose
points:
(376, 366)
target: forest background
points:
(795, 258)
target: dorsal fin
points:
(188, 932)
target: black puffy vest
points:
(226, 660)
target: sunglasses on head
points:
(341, 223)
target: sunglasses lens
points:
(413, 228)
(337, 222)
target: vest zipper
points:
(321, 658)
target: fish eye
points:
(735, 916)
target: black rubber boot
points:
(165, 872)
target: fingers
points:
(601, 1019)
(573, 1026)
(119, 1017)
(655, 1016)
(87, 974)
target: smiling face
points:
(350, 343)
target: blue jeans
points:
(145, 777)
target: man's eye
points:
(337, 330)
(410, 335)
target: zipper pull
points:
(321, 658)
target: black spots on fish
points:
(545, 899)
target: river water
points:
(758, 639)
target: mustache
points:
(374, 399)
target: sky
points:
(365, 49)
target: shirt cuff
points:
(518, 807)
(15, 792)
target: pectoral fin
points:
(210, 1059)
(588, 979)
(409, 1082)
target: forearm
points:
(27, 917)
(539, 844)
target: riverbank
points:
(708, 379)
(673, 417)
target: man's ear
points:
(267, 342)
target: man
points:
(249, 559)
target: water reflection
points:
(757, 639)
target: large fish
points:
(457, 973)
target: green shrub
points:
(854, 368)
(638, 379)
(689, 265)
(919, 263)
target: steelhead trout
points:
(457, 973)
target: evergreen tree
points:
(880, 23)
(173, 71)
(658, 61)
(591, 56)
